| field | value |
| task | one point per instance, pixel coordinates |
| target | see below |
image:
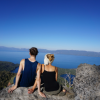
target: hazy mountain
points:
(67, 52)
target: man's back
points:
(28, 74)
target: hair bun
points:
(48, 58)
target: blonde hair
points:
(49, 58)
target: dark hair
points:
(33, 51)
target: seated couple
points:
(26, 75)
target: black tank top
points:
(50, 83)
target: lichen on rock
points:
(86, 84)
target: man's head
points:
(33, 51)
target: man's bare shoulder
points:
(38, 65)
(22, 61)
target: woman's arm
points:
(17, 76)
(56, 73)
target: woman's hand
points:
(12, 89)
(42, 94)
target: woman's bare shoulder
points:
(55, 68)
(42, 67)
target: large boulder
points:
(21, 93)
(87, 82)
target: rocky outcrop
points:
(86, 86)
(21, 93)
(87, 82)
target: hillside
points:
(5, 76)
(7, 66)
(5, 72)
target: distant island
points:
(65, 52)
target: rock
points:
(21, 93)
(70, 94)
(86, 84)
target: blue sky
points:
(50, 24)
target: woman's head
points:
(48, 59)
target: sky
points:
(50, 24)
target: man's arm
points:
(31, 90)
(17, 76)
(39, 82)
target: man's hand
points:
(12, 89)
(30, 91)
(42, 94)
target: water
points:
(15, 70)
(70, 78)
(62, 61)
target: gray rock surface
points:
(21, 93)
(87, 82)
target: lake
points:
(62, 61)
(68, 78)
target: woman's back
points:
(49, 77)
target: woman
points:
(50, 74)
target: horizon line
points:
(49, 49)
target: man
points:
(27, 72)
